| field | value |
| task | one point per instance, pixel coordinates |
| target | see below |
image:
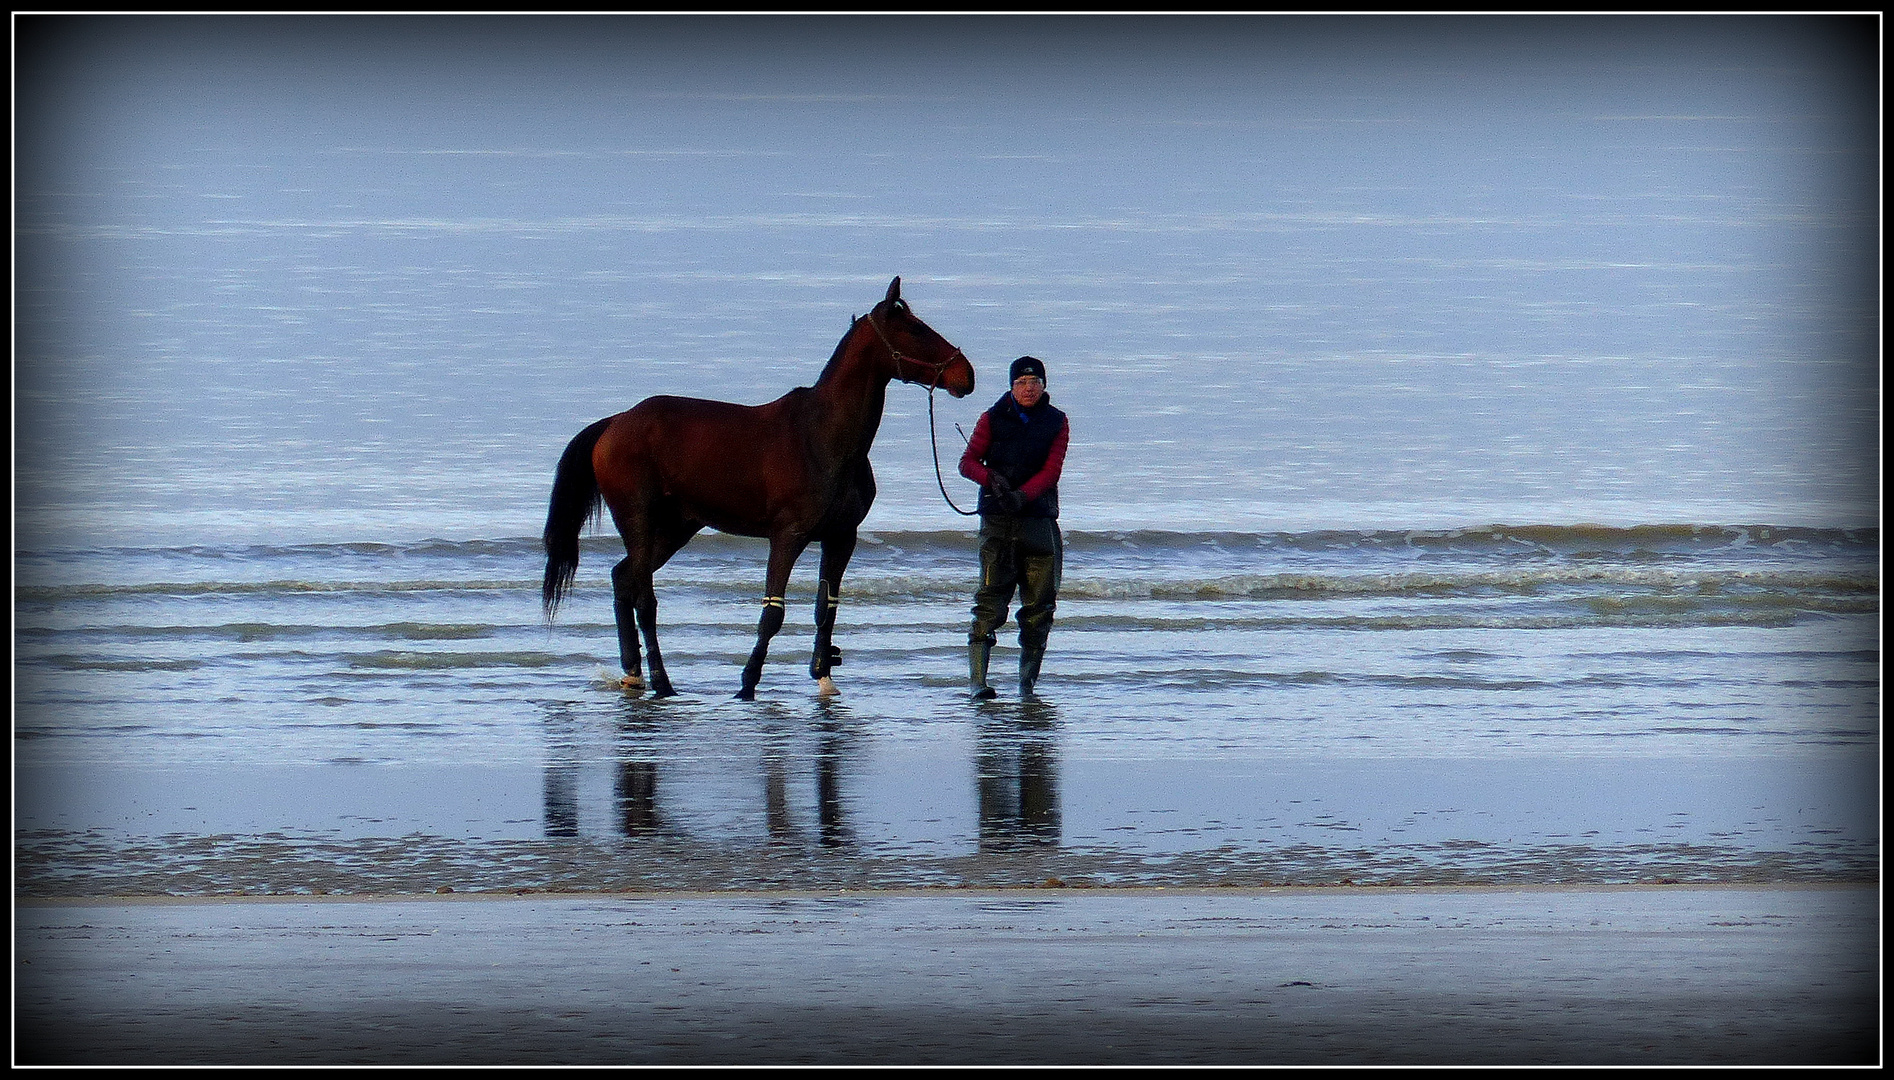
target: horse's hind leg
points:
(668, 536)
(635, 598)
(648, 621)
(636, 602)
(782, 559)
(836, 552)
(625, 609)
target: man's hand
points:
(1003, 493)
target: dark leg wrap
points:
(826, 655)
(766, 628)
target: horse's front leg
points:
(836, 552)
(782, 559)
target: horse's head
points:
(920, 355)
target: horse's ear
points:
(894, 291)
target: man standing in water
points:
(1015, 455)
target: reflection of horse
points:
(794, 470)
(811, 784)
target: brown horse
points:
(794, 470)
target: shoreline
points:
(942, 891)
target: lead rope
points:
(934, 441)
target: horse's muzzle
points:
(950, 378)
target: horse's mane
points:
(836, 356)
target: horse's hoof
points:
(745, 695)
(825, 687)
(985, 693)
(631, 682)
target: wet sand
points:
(1642, 974)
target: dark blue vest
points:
(1018, 450)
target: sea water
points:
(1473, 470)
(1492, 704)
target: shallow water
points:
(1533, 705)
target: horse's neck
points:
(849, 396)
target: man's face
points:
(1027, 390)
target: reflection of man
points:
(1018, 779)
(1016, 454)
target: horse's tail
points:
(574, 500)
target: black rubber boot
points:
(1029, 659)
(978, 653)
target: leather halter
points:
(939, 369)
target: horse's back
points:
(669, 415)
(682, 427)
(722, 461)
